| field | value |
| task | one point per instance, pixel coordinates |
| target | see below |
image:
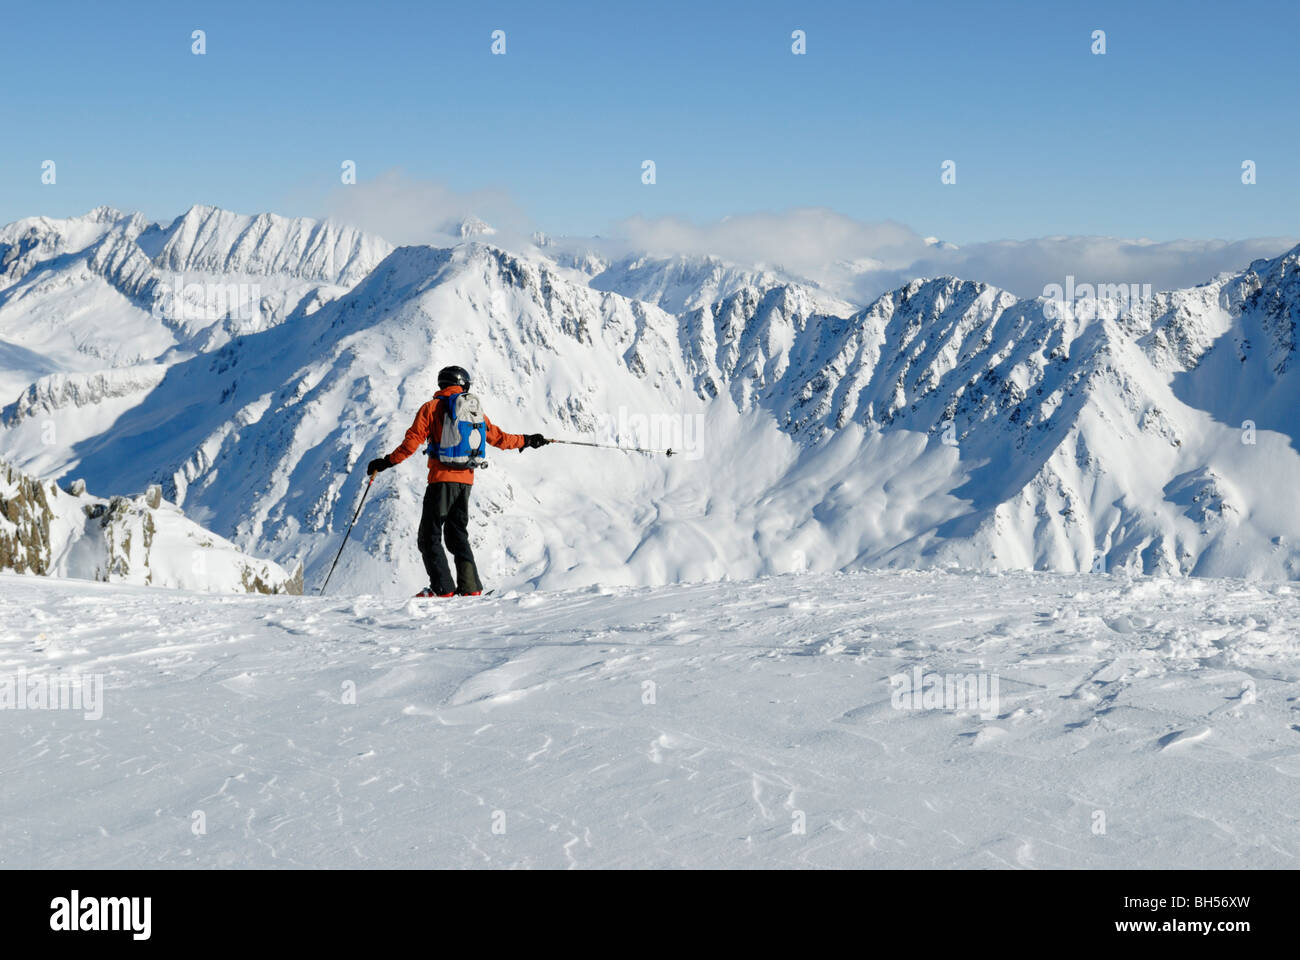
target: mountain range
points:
(250, 366)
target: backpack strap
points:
(438, 415)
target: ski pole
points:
(612, 446)
(346, 535)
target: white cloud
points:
(803, 241)
(1025, 266)
(859, 260)
(404, 209)
(853, 259)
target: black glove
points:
(535, 440)
(378, 466)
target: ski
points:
(451, 596)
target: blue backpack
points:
(464, 434)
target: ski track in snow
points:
(1167, 706)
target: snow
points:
(946, 422)
(1140, 722)
(78, 295)
(46, 530)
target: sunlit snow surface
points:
(1140, 723)
(946, 422)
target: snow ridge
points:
(946, 423)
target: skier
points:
(451, 475)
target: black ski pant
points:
(446, 517)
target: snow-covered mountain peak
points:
(938, 244)
(212, 240)
(684, 283)
(1280, 265)
(945, 422)
(107, 214)
(467, 227)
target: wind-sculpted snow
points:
(945, 422)
(872, 720)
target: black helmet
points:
(453, 377)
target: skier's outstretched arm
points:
(512, 441)
(416, 434)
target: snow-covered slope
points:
(680, 284)
(91, 293)
(1138, 722)
(946, 423)
(47, 531)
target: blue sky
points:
(1147, 140)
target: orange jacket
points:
(428, 424)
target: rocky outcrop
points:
(48, 531)
(25, 514)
